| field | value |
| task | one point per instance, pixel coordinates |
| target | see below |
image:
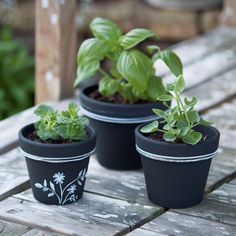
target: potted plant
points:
(57, 150)
(176, 150)
(126, 91)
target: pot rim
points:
(37, 147)
(173, 152)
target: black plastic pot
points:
(57, 171)
(115, 125)
(176, 174)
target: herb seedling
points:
(178, 122)
(132, 73)
(60, 125)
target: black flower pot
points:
(115, 125)
(57, 171)
(176, 174)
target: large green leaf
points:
(134, 37)
(105, 29)
(108, 86)
(171, 60)
(154, 87)
(136, 68)
(86, 70)
(93, 48)
(180, 84)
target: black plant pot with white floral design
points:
(57, 171)
(115, 125)
(176, 174)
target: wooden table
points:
(115, 202)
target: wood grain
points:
(90, 214)
(175, 223)
(55, 49)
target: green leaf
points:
(192, 137)
(134, 37)
(154, 87)
(205, 122)
(180, 84)
(43, 110)
(105, 29)
(172, 61)
(108, 86)
(73, 110)
(193, 116)
(159, 112)
(170, 87)
(191, 102)
(93, 49)
(152, 48)
(86, 70)
(169, 137)
(136, 68)
(164, 98)
(151, 127)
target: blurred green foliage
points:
(16, 75)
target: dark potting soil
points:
(115, 98)
(34, 137)
(159, 137)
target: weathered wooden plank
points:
(8, 229)
(13, 229)
(214, 91)
(194, 49)
(11, 126)
(13, 174)
(228, 15)
(213, 210)
(222, 168)
(225, 194)
(92, 213)
(208, 67)
(175, 223)
(55, 49)
(129, 185)
(144, 232)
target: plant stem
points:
(104, 72)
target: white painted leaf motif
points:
(37, 185)
(52, 186)
(79, 183)
(50, 194)
(45, 183)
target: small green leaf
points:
(180, 84)
(151, 127)
(191, 102)
(169, 137)
(105, 29)
(73, 110)
(170, 87)
(134, 37)
(136, 68)
(172, 61)
(43, 110)
(164, 98)
(205, 122)
(152, 48)
(193, 116)
(192, 137)
(159, 112)
(108, 86)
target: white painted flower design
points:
(63, 194)
(59, 178)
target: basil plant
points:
(132, 72)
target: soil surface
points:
(34, 137)
(115, 98)
(159, 137)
